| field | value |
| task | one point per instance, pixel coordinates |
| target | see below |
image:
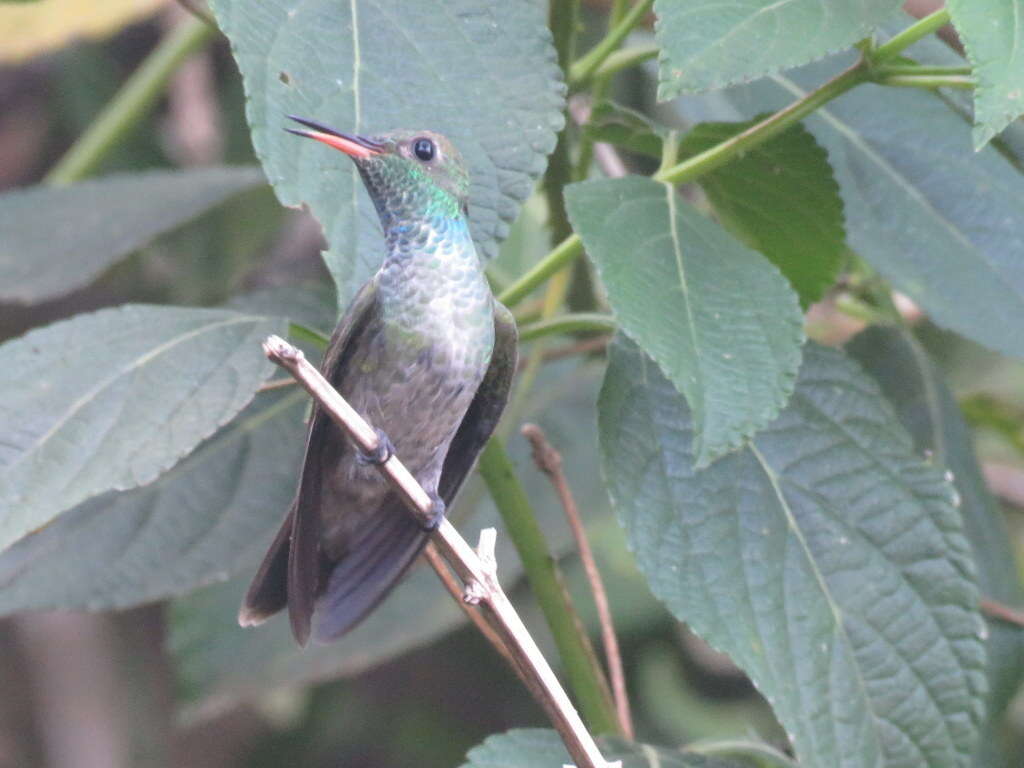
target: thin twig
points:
(266, 386)
(549, 461)
(1003, 612)
(581, 347)
(456, 590)
(477, 569)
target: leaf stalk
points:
(584, 68)
(131, 102)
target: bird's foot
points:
(437, 510)
(384, 451)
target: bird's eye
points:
(423, 149)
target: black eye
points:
(423, 149)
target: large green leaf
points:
(706, 45)
(927, 410)
(482, 73)
(720, 320)
(944, 223)
(826, 558)
(217, 660)
(534, 747)
(992, 32)
(57, 239)
(109, 400)
(204, 520)
(781, 199)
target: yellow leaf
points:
(30, 29)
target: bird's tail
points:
(364, 576)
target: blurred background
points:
(102, 690)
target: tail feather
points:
(364, 576)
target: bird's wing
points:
(486, 408)
(290, 572)
(388, 545)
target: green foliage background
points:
(770, 447)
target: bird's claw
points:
(384, 451)
(437, 510)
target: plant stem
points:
(498, 473)
(920, 69)
(549, 461)
(570, 323)
(585, 67)
(563, 254)
(925, 81)
(762, 753)
(853, 307)
(722, 153)
(554, 297)
(922, 28)
(563, 19)
(624, 59)
(131, 101)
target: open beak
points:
(352, 145)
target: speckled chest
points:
(419, 365)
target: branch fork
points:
(476, 568)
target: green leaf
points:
(825, 558)
(709, 45)
(219, 661)
(991, 32)
(945, 224)
(109, 400)
(57, 239)
(926, 408)
(626, 128)
(482, 73)
(535, 747)
(781, 199)
(717, 317)
(206, 518)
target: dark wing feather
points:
(290, 572)
(377, 560)
(486, 408)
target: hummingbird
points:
(426, 354)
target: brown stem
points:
(477, 569)
(1003, 612)
(276, 384)
(549, 461)
(582, 347)
(456, 590)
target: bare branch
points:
(549, 461)
(266, 386)
(480, 578)
(1003, 612)
(458, 594)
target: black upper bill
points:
(363, 141)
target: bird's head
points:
(409, 174)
